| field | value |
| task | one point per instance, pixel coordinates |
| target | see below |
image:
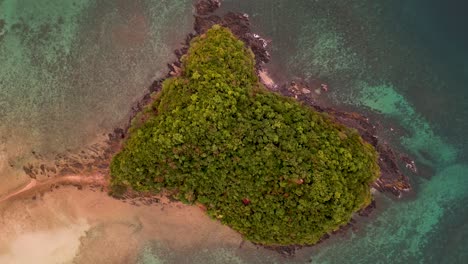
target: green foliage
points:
(272, 169)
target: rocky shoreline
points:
(96, 158)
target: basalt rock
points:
(205, 7)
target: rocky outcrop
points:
(205, 7)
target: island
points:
(271, 168)
(217, 131)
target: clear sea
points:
(70, 71)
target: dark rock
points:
(285, 251)
(117, 135)
(202, 24)
(205, 7)
(52, 169)
(409, 164)
(66, 171)
(189, 38)
(368, 210)
(29, 171)
(156, 86)
(77, 165)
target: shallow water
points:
(69, 72)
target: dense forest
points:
(272, 169)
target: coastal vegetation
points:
(269, 167)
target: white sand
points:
(68, 225)
(45, 247)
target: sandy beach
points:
(72, 226)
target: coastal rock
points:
(29, 171)
(409, 164)
(118, 134)
(368, 210)
(205, 7)
(285, 251)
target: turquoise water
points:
(69, 71)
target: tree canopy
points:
(271, 168)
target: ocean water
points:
(69, 71)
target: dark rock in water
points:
(391, 178)
(156, 86)
(368, 210)
(205, 7)
(178, 53)
(409, 164)
(66, 171)
(52, 169)
(29, 171)
(202, 24)
(189, 38)
(77, 165)
(285, 251)
(118, 134)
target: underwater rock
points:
(409, 164)
(368, 210)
